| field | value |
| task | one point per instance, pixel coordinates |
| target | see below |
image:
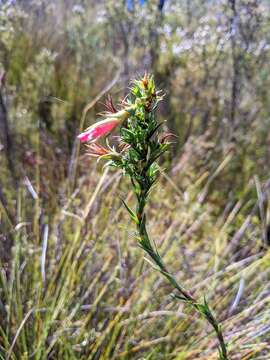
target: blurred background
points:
(211, 58)
(73, 283)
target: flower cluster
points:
(138, 132)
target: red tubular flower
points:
(104, 127)
(100, 129)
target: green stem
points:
(185, 296)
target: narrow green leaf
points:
(132, 214)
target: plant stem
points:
(185, 296)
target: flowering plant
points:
(140, 146)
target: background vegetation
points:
(73, 284)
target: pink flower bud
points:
(104, 127)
